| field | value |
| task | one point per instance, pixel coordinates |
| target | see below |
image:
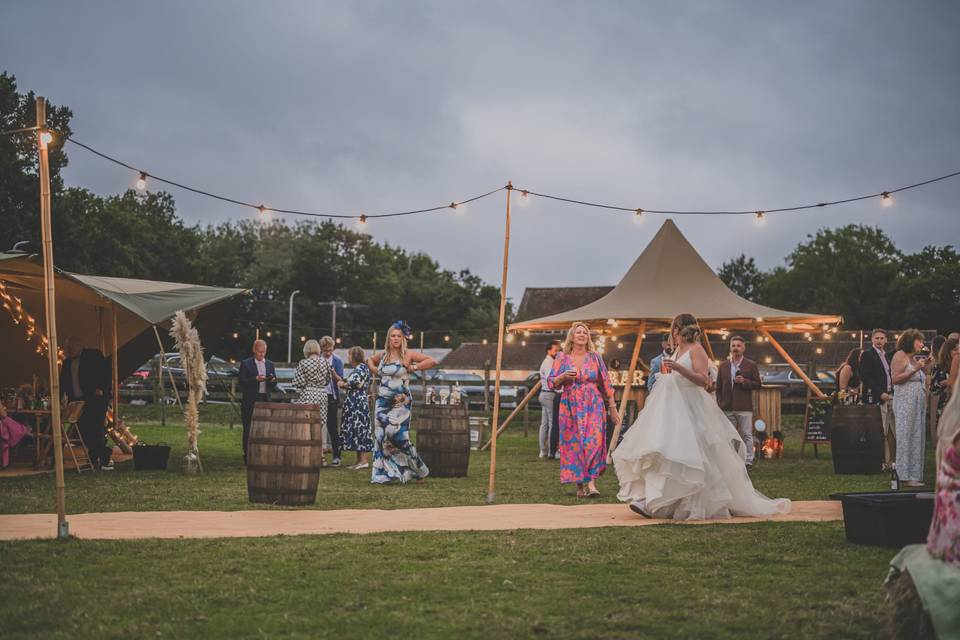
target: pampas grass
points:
(187, 341)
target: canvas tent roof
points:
(668, 278)
(85, 306)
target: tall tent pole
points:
(793, 365)
(46, 229)
(631, 371)
(491, 494)
(116, 370)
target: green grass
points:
(521, 478)
(767, 580)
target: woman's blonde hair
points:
(568, 343)
(688, 327)
(403, 344)
(326, 342)
(356, 355)
(311, 347)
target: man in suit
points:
(736, 380)
(257, 379)
(86, 375)
(327, 345)
(665, 351)
(877, 388)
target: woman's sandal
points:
(581, 493)
(593, 494)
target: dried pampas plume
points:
(187, 342)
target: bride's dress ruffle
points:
(681, 456)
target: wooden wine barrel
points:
(856, 439)
(766, 407)
(283, 453)
(443, 439)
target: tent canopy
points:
(670, 278)
(86, 306)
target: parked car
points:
(793, 385)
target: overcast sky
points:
(380, 106)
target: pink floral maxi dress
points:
(583, 418)
(943, 542)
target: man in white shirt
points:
(546, 398)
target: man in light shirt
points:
(736, 381)
(546, 398)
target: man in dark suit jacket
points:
(86, 375)
(877, 388)
(257, 379)
(736, 380)
(327, 345)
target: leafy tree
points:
(742, 276)
(927, 292)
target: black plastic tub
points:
(886, 519)
(150, 457)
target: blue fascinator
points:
(404, 328)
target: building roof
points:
(546, 301)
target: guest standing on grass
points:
(907, 370)
(85, 375)
(583, 420)
(311, 378)
(546, 399)
(848, 376)
(395, 459)
(327, 345)
(257, 379)
(666, 351)
(878, 389)
(939, 380)
(357, 434)
(736, 381)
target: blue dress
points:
(395, 459)
(355, 426)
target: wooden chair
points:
(72, 440)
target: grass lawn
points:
(521, 478)
(764, 580)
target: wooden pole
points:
(707, 346)
(116, 370)
(626, 389)
(491, 493)
(513, 414)
(793, 365)
(46, 230)
(423, 375)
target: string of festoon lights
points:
(143, 178)
(33, 334)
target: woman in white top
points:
(680, 458)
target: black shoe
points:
(749, 467)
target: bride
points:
(679, 459)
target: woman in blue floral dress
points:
(355, 426)
(395, 459)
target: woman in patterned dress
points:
(908, 374)
(395, 459)
(311, 378)
(583, 421)
(356, 410)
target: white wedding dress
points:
(680, 456)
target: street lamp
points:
(333, 307)
(290, 328)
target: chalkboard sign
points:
(816, 420)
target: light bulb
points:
(638, 216)
(886, 200)
(142, 182)
(760, 221)
(446, 338)
(523, 343)
(46, 137)
(362, 221)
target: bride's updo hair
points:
(687, 326)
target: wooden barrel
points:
(443, 439)
(856, 439)
(766, 407)
(283, 453)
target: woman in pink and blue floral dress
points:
(583, 419)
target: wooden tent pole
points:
(49, 285)
(707, 346)
(491, 494)
(626, 389)
(793, 365)
(513, 414)
(116, 371)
